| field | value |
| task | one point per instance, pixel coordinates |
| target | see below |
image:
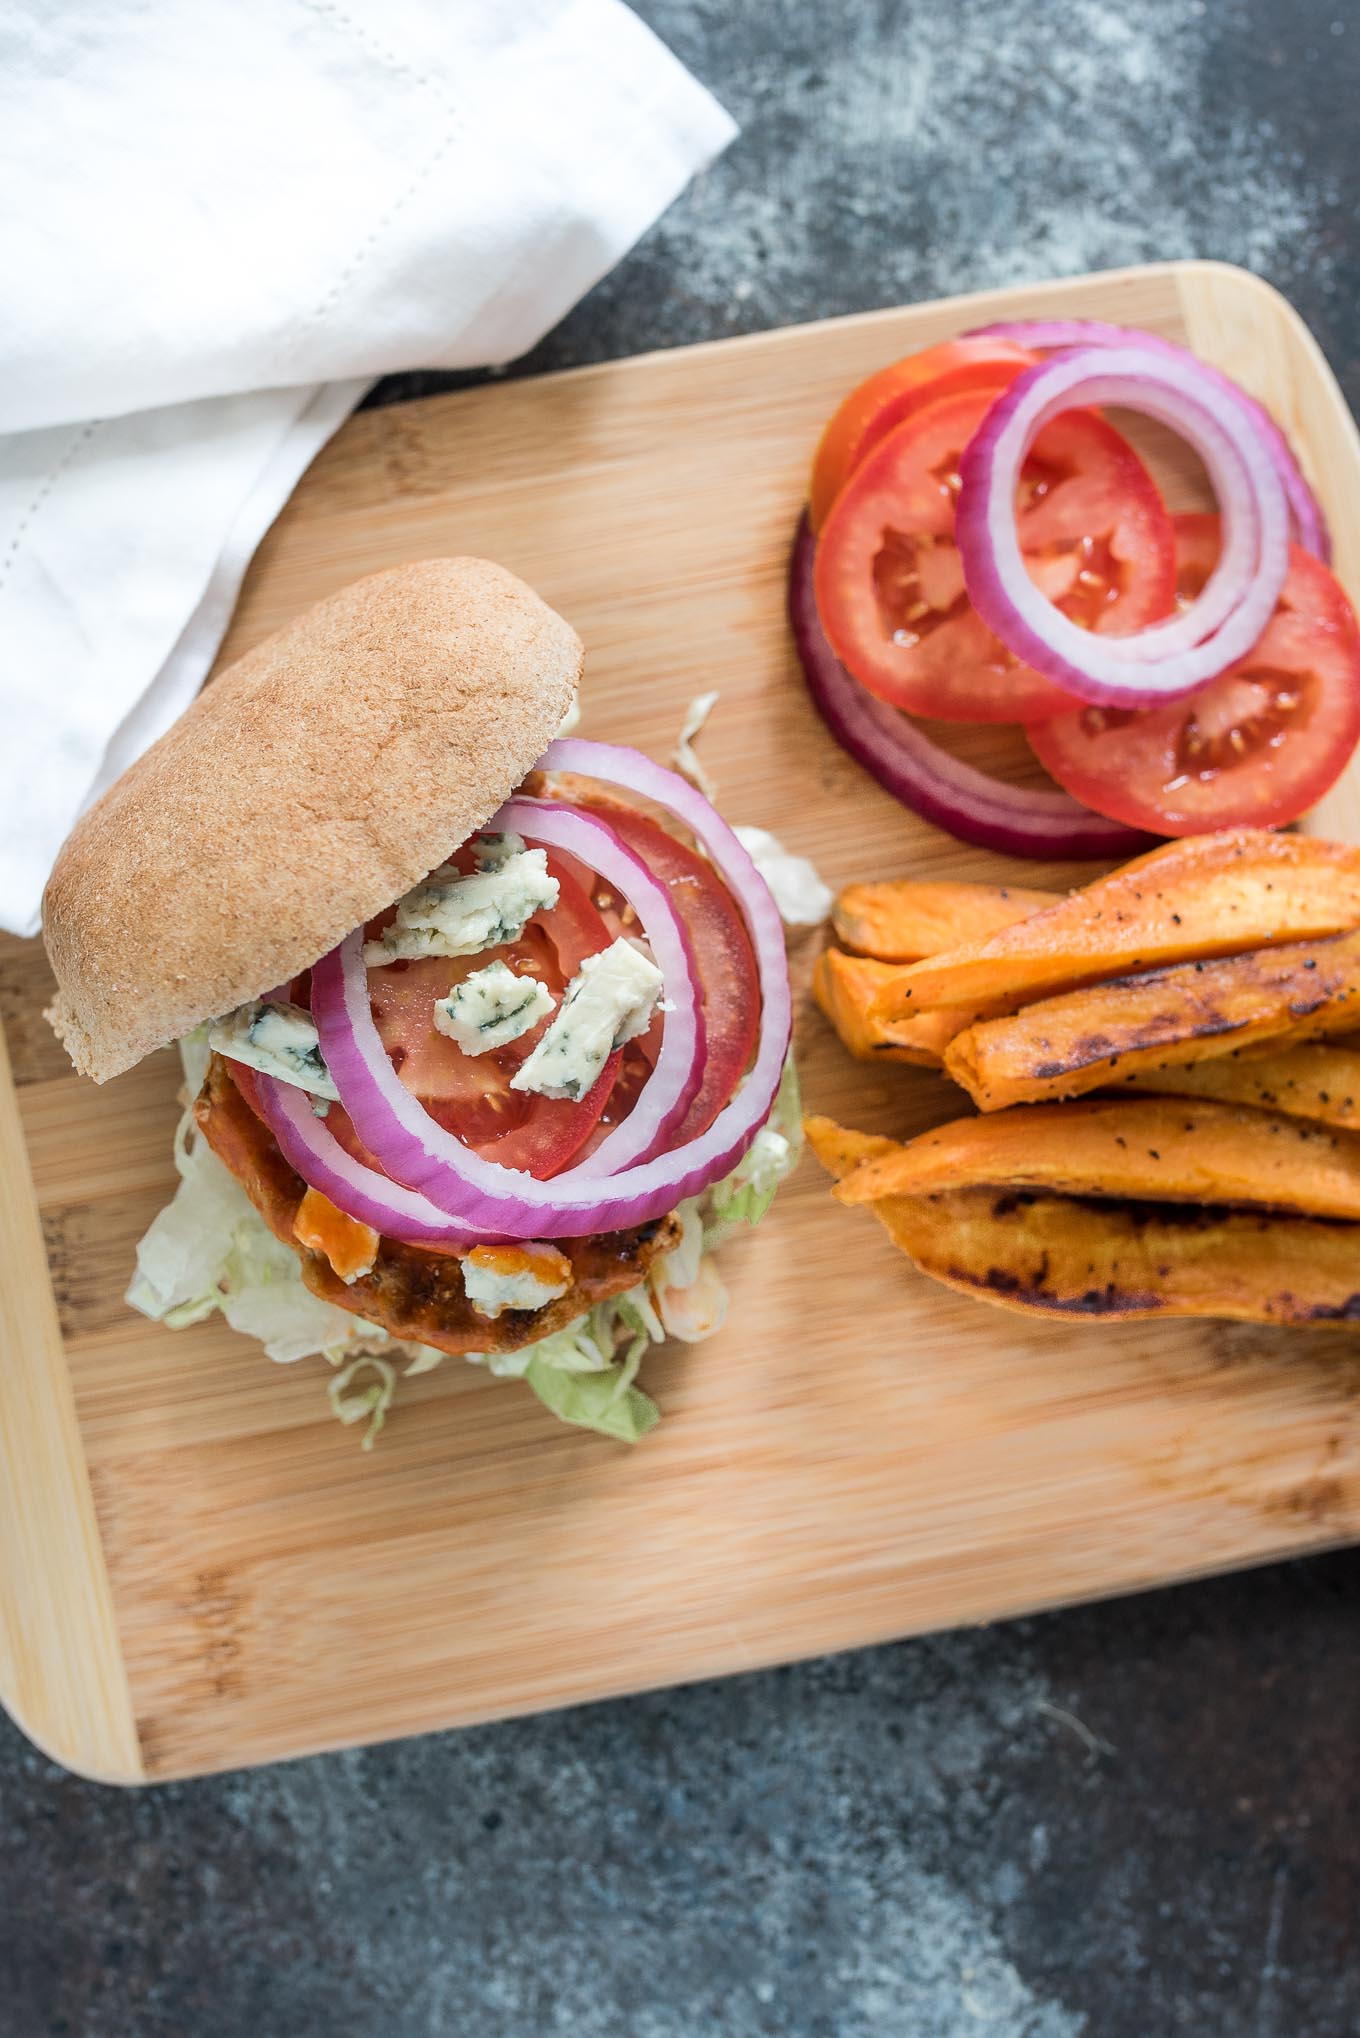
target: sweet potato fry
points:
(1319, 1081)
(1053, 1255)
(1050, 1255)
(847, 989)
(839, 1149)
(1090, 1039)
(904, 919)
(1155, 1149)
(1198, 897)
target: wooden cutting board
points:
(198, 1566)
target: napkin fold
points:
(219, 220)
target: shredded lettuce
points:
(745, 1195)
(209, 1250)
(195, 1054)
(795, 886)
(371, 1401)
(685, 757)
(424, 1359)
(599, 1401)
(584, 1373)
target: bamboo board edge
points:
(62, 1676)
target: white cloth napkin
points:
(219, 220)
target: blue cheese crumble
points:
(491, 1008)
(610, 1000)
(494, 847)
(280, 1040)
(500, 1277)
(452, 915)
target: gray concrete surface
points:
(1122, 1822)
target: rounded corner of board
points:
(1231, 282)
(1228, 276)
(105, 1755)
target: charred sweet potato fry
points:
(1319, 1081)
(1048, 1255)
(847, 989)
(903, 919)
(1053, 1255)
(1155, 1149)
(1195, 898)
(1090, 1039)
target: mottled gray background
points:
(1125, 1822)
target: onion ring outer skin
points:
(666, 1095)
(359, 1191)
(401, 1212)
(1044, 335)
(957, 797)
(499, 1201)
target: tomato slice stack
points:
(890, 590)
(1259, 744)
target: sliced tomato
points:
(1256, 747)
(470, 1095)
(723, 956)
(897, 392)
(1095, 533)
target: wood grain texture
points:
(861, 1454)
(61, 1662)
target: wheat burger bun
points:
(311, 784)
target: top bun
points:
(311, 784)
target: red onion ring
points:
(359, 1191)
(662, 1102)
(1046, 335)
(670, 1087)
(1169, 658)
(497, 1200)
(955, 796)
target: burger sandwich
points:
(484, 1029)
